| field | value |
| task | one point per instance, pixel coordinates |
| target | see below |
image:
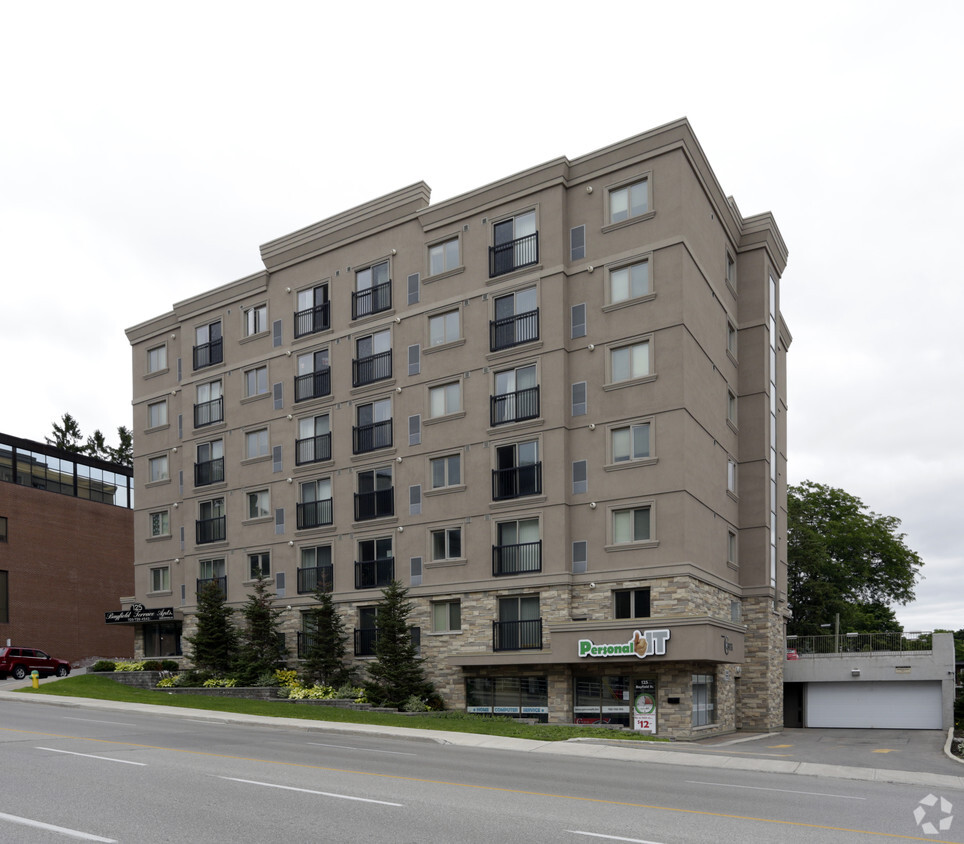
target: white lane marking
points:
(784, 790)
(91, 756)
(61, 830)
(310, 791)
(363, 749)
(611, 837)
(96, 721)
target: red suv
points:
(22, 661)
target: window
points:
(158, 469)
(443, 257)
(161, 579)
(629, 201)
(259, 565)
(375, 565)
(444, 328)
(577, 321)
(518, 471)
(704, 700)
(375, 498)
(374, 429)
(446, 471)
(256, 381)
(629, 282)
(209, 468)
(210, 404)
(157, 414)
(516, 396)
(313, 379)
(516, 320)
(373, 358)
(157, 359)
(631, 603)
(730, 270)
(314, 440)
(4, 597)
(208, 349)
(579, 398)
(519, 626)
(445, 399)
(731, 549)
(210, 569)
(631, 442)
(259, 504)
(632, 525)
(731, 338)
(447, 544)
(580, 477)
(313, 312)
(577, 243)
(731, 407)
(316, 569)
(160, 523)
(256, 444)
(516, 244)
(446, 616)
(731, 475)
(629, 362)
(3, 528)
(210, 525)
(315, 507)
(373, 291)
(518, 548)
(255, 320)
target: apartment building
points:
(554, 407)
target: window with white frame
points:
(730, 270)
(256, 381)
(255, 320)
(447, 544)
(731, 475)
(629, 201)
(160, 523)
(731, 406)
(631, 442)
(259, 565)
(157, 359)
(731, 338)
(630, 362)
(633, 524)
(211, 569)
(445, 399)
(629, 282)
(158, 469)
(446, 616)
(446, 471)
(259, 504)
(444, 328)
(443, 257)
(157, 413)
(256, 444)
(161, 579)
(704, 700)
(373, 290)
(731, 547)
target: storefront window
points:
(516, 697)
(704, 700)
(603, 700)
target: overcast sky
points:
(147, 150)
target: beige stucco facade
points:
(586, 397)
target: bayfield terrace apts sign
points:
(138, 613)
(649, 643)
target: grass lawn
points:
(102, 688)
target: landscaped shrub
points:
(167, 682)
(414, 704)
(129, 666)
(191, 679)
(152, 665)
(220, 683)
(103, 665)
(170, 665)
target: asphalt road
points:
(135, 777)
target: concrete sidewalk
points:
(722, 753)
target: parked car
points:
(19, 662)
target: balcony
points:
(313, 449)
(374, 505)
(516, 481)
(366, 640)
(522, 558)
(374, 574)
(371, 437)
(371, 369)
(313, 320)
(211, 530)
(506, 257)
(513, 330)
(312, 514)
(314, 385)
(208, 412)
(209, 472)
(208, 354)
(221, 582)
(310, 579)
(371, 300)
(517, 635)
(514, 407)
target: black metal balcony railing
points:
(374, 574)
(506, 257)
(313, 320)
(220, 582)
(208, 354)
(513, 330)
(366, 639)
(208, 412)
(209, 472)
(313, 449)
(516, 481)
(514, 407)
(370, 369)
(314, 514)
(310, 579)
(211, 530)
(374, 505)
(371, 301)
(517, 635)
(314, 385)
(517, 559)
(370, 437)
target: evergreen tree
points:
(67, 435)
(214, 642)
(325, 659)
(261, 644)
(396, 674)
(124, 453)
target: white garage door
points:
(885, 706)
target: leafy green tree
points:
(214, 642)
(325, 659)
(67, 436)
(261, 647)
(843, 558)
(396, 673)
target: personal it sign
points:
(648, 643)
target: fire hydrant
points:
(35, 677)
